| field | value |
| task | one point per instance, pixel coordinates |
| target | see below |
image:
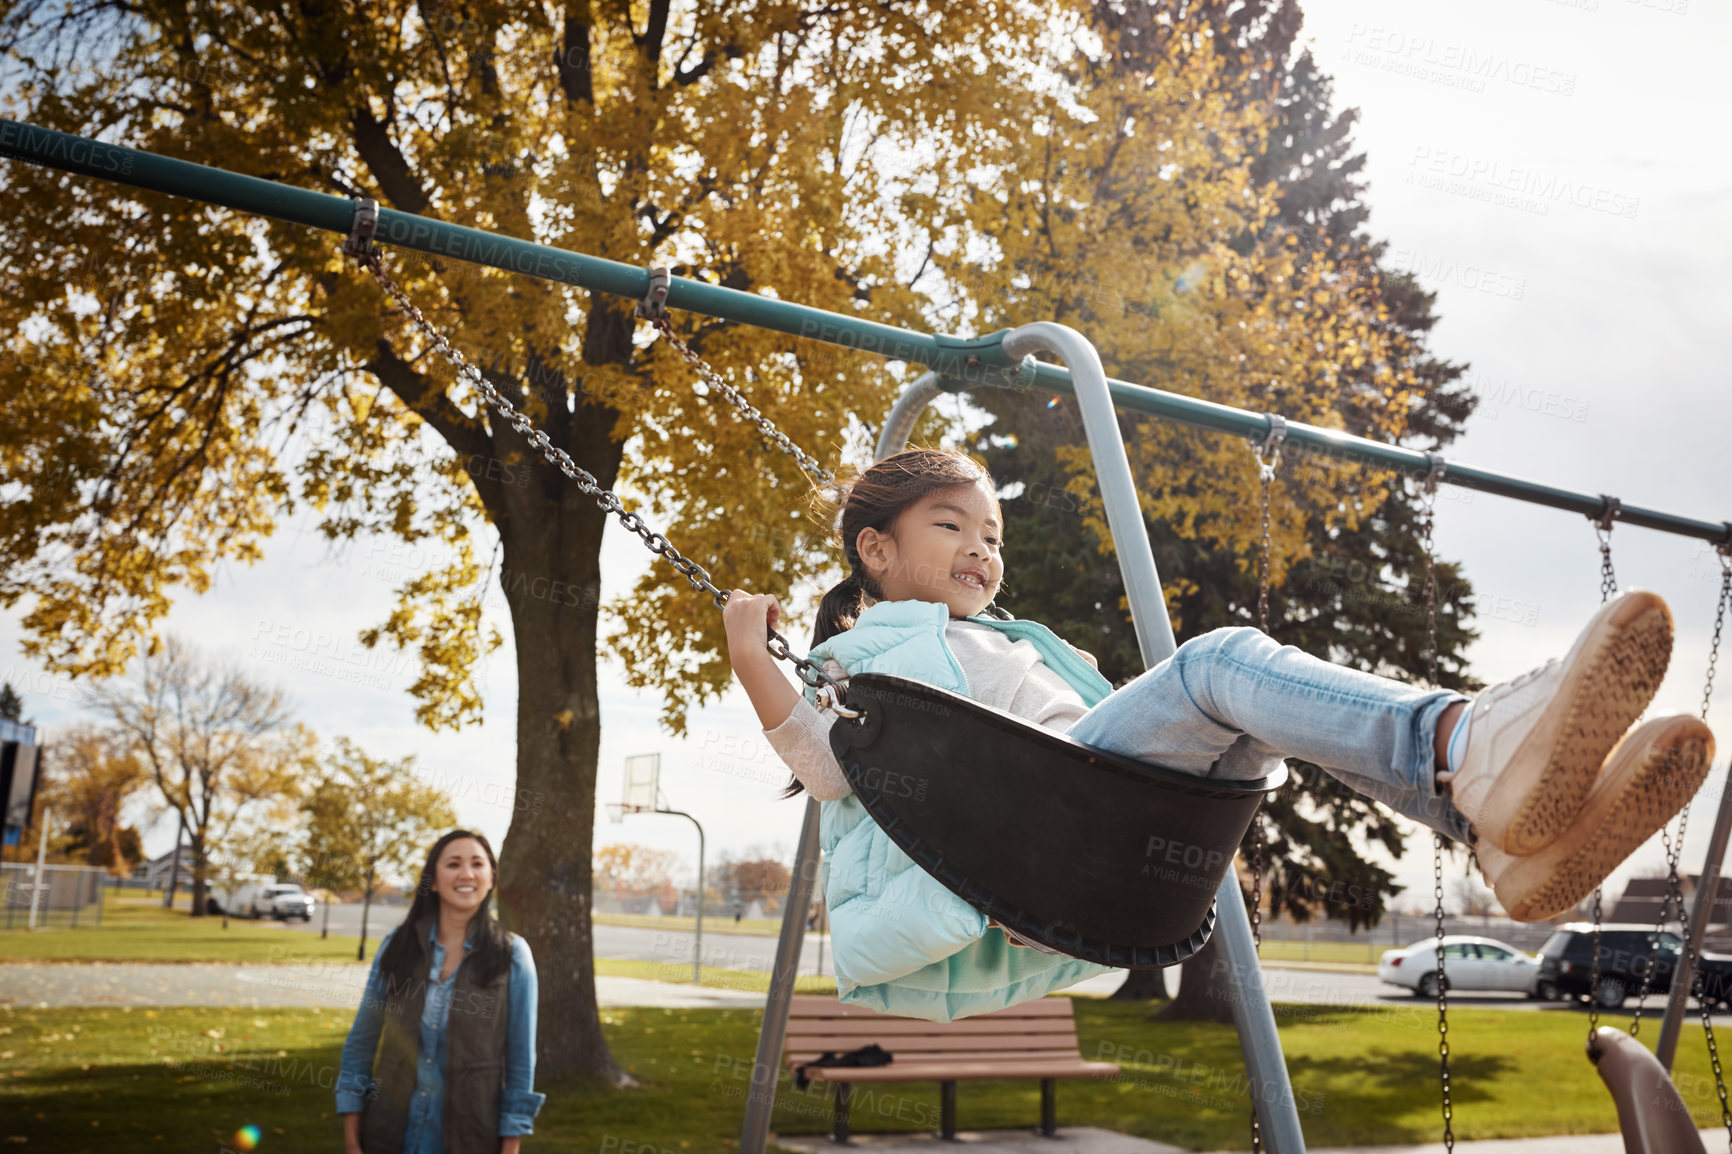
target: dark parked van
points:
(1626, 952)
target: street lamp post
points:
(41, 868)
(698, 938)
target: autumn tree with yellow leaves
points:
(182, 377)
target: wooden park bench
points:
(1034, 1040)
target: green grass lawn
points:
(713, 924)
(1337, 955)
(753, 980)
(135, 928)
(188, 1079)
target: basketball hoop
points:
(615, 813)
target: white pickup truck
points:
(269, 900)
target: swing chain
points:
(1429, 514)
(1608, 586)
(1674, 843)
(1603, 530)
(1594, 976)
(713, 380)
(1270, 444)
(1428, 520)
(1725, 553)
(1442, 996)
(810, 673)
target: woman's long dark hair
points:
(873, 501)
(405, 963)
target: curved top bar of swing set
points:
(961, 363)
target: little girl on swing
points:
(1538, 774)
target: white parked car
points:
(1469, 963)
(268, 900)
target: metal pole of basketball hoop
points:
(641, 793)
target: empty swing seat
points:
(1651, 1115)
(1092, 853)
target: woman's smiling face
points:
(463, 877)
(943, 548)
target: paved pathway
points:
(339, 983)
(139, 984)
(1088, 1140)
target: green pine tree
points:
(1358, 599)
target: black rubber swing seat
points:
(1091, 853)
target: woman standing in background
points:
(441, 1058)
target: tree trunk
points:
(200, 887)
(551, 539)
(174, 866)
(325, 925)
(1204, 995)
(366, 907)
(1143, 985)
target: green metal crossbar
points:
(961, 363)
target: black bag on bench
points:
(872, 1055)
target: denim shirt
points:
(519, 1102)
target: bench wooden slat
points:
(820, 1006)
(903, 1027)
(944, 1047)
(914, 1042)
(962, 1071)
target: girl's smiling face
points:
(944, 548)
(463, 877)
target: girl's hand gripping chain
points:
(748, 618)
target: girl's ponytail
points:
(841, 607)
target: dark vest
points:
(474, 1058)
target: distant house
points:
(155, 872)
(1642, 898)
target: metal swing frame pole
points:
(767, 1065)
(1253, 1017)
(1271, 1087)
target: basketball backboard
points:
(642, 780)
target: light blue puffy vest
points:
(903, 943)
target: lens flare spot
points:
(1052, 403)
(247, 1138)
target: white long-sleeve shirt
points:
(1002, 673)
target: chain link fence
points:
(1327, 941)
(64, 895)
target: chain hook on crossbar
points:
(1269, 446)
(654, 305)
(1611, 511)
(360, 243)
(1436, 467)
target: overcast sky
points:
(1547, 167)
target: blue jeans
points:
(1233, 703)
